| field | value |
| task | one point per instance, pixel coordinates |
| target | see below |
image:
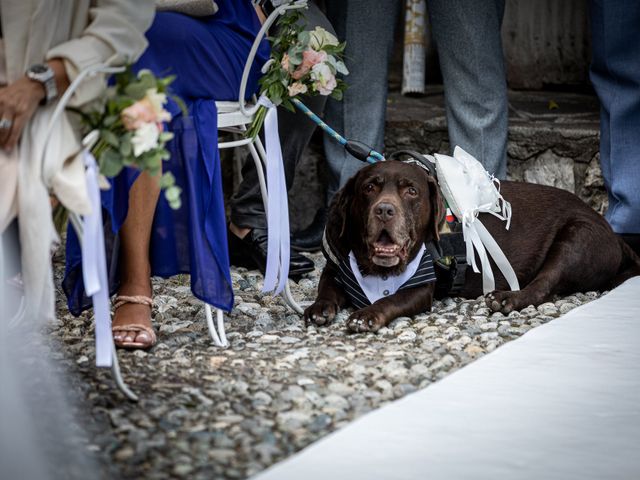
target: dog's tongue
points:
(385, 246)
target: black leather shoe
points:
(310, 239)
(251, 252)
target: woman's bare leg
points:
(135, 268)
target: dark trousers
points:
(295, 129)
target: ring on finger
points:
(5, 124)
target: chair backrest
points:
(244, 108)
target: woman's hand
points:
(18, 103)
(20, 100)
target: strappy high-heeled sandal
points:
(121, 300)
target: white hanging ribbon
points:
(94, 266)
(278, 252)
(478, 238)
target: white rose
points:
(321, 38)
(145, 138)
(324, 79)
(157, 101)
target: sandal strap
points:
(121, 300)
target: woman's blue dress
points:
(207, 55)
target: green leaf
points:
(173, 193)
(337, 94)
(109, 120)
(304, 38)
(110, 163)
(110, 138)
(135, 90)
(167, 180)
(181, 105)
(153, 162)
(286, 103)
(126, 148)
(147, 80)
(165, 136)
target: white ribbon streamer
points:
(477, 237)
(94, 266)
(278, 252)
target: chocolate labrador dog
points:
(380, 221)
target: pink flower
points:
(297, 88)
(309, 59)
(300, 72)
(141, 112)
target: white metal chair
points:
(234, 117)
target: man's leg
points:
(368, 29)
(248, 222)
(615, 74)
(467, 34)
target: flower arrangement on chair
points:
(130, 122)
(302, 62)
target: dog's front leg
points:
(331, 298)
(404, 303)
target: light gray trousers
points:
(467, 33)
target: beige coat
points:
(83, 33)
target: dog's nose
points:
(385, 211)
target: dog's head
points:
(384, 214)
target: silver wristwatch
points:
(44, 74)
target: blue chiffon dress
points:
(208, 55)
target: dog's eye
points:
(369, 187)
(412, 191)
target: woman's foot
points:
(131, 324)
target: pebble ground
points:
(208, 413)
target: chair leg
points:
(76, 222)
(117, 376)
(288, 298)
(218, 336)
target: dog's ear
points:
(437, 210)
(338, 216)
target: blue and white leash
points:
(357, 149)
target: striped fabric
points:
(424, 274)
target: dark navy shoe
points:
(251, 252)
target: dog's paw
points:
(506, 302)
(321, 312)
(365, 320)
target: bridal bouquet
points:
(302, 62)
(131, 128)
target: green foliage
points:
(288, 47)
(115, 148)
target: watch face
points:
(37, 69)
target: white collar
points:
(376, 287)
